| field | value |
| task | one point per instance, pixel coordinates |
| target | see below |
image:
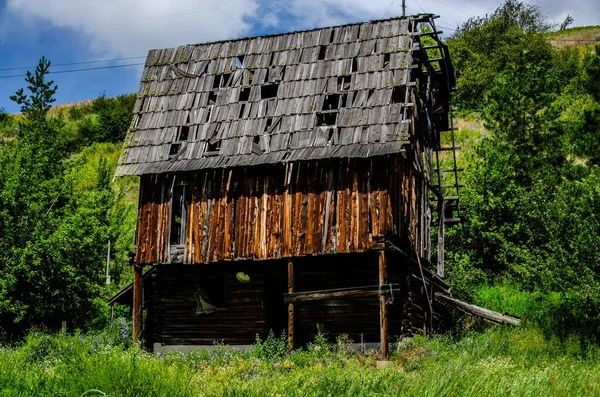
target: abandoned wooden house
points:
(292, 183)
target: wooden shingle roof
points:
(330, 92)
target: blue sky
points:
(72, 31)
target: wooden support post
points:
(137, 303)
(440, 253)
(291, 282)
(383, 306)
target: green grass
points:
(498, 361)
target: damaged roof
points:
(329, 92)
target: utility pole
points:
(403, 8)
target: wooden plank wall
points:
(292, 210)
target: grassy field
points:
(497, 361)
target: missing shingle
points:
(250, 76)
(184, 132)
(354, 65)
(386, 60)
(331, 102)
(208, 113)
(239, 62)
(325, 119)
(322, 51)
(242, 109)
(268, 124)
(269, 91)
(344, 100)
(212, 97)
(213, 147)
(398, 94)
(331, 137)
(174, 149)
(344, 83)
(244, 94)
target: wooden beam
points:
(354, 292)
(486, 314)
(383, 306)
(440, 253)
(138, 285)
(291, 282)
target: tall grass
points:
(498, 361)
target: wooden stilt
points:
(291, 305)
(137, 303)
(383, 306)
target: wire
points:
(420, 7)
(77, 70)
(457, 9)
(386, 11)
(76, 63)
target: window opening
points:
(209, 295)
(269, 91)
(178, 214)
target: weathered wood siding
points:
(298, 209)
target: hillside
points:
(579, 36)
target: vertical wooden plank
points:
(228, 221)
(287, 211)
(354, 207)
(329, 211)
(137, 302)
(291, 284)
(383, 316)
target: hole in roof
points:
(184, 132)
(370, 95)
(344, 83)
(325, 119)
(269, 91)
(256, 139)
(322, 51)
(250, 76)
(206, 67)
(225, 79)
(330, 140)
(331, 102)
(268, 124)
(212, 97)
(239, 61)
(256, 147)
(242, 108)
(374, 51)
(398, 94)
(271, 63)
(344, 100)
(244, 94)
(217, 81)
(174, 149)
(213, 148)
(332, 37)
(386, 60)
(208, 113)
(354, 65)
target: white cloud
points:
(131, 27)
